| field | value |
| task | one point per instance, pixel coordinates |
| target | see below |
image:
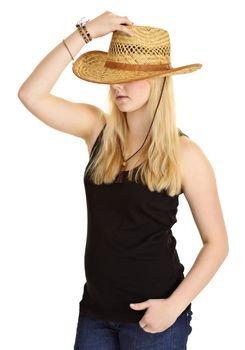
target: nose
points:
(117, 89)
(117, 85)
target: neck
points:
(138, 123)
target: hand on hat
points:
(108, 22)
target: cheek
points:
(138, 100)
(142, 96)
(141, 90)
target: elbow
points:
(22, 94)
(26, 97)
(224, 251)
(227, 249)
(25, 91)
(226, 246)
(221, 248)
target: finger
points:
(142, 325)
(149, 330)
(123, 28)
(126, 20)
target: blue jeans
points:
(94, 334)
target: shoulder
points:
(190, 151)
(196, 167)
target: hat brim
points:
(90, 66)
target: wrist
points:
(90, 29)
(174, 306)
(82, 27)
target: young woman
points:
(136, 295)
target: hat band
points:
(138, 67)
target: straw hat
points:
(145, 54)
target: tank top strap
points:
(97, 142)
(181, 133)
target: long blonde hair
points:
(161, 168)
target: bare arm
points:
(201, 192)
(78, 119)
(48, 71)
(74, 118)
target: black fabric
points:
(130, 253)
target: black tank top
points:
(130, 253)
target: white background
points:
(43, 208)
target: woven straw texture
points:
(145, 54)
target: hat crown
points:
(149, 47)
(143, 55)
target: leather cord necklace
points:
(125, 160)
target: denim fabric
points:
(94, 334)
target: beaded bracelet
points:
(83, 31)
(81, 26)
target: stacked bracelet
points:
(83, 31)
(81, 26)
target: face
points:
(136, 92)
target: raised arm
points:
(78, 119)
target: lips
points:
(121, 96)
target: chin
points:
(125, 110)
